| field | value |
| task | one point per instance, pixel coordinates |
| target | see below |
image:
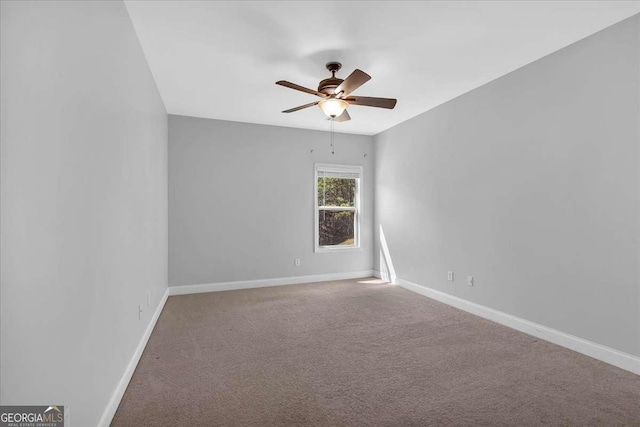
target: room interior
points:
(165, 252)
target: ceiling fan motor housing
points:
(329, 85)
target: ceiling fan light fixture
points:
(333, 107)
(334, 93)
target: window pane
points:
(336, 228)
(336, 192)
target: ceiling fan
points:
(335, 94)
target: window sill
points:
(332, 249)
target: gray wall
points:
(530, 184)
(241, 201)
(83, 202)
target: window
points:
(337, 207)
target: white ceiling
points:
(221, 59)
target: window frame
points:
(357, 208)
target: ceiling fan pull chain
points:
(333, 143)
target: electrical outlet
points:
(470, 280)
(450, 276)
(139, 312)
(296, 262)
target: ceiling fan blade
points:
(353, 82)
(372, 102)
(343, 117)
(311, 104)
(300, 88)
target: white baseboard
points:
(116, 397)
(247, 284)
(589, 348)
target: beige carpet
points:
(360, 353)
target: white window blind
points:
(338, 174)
